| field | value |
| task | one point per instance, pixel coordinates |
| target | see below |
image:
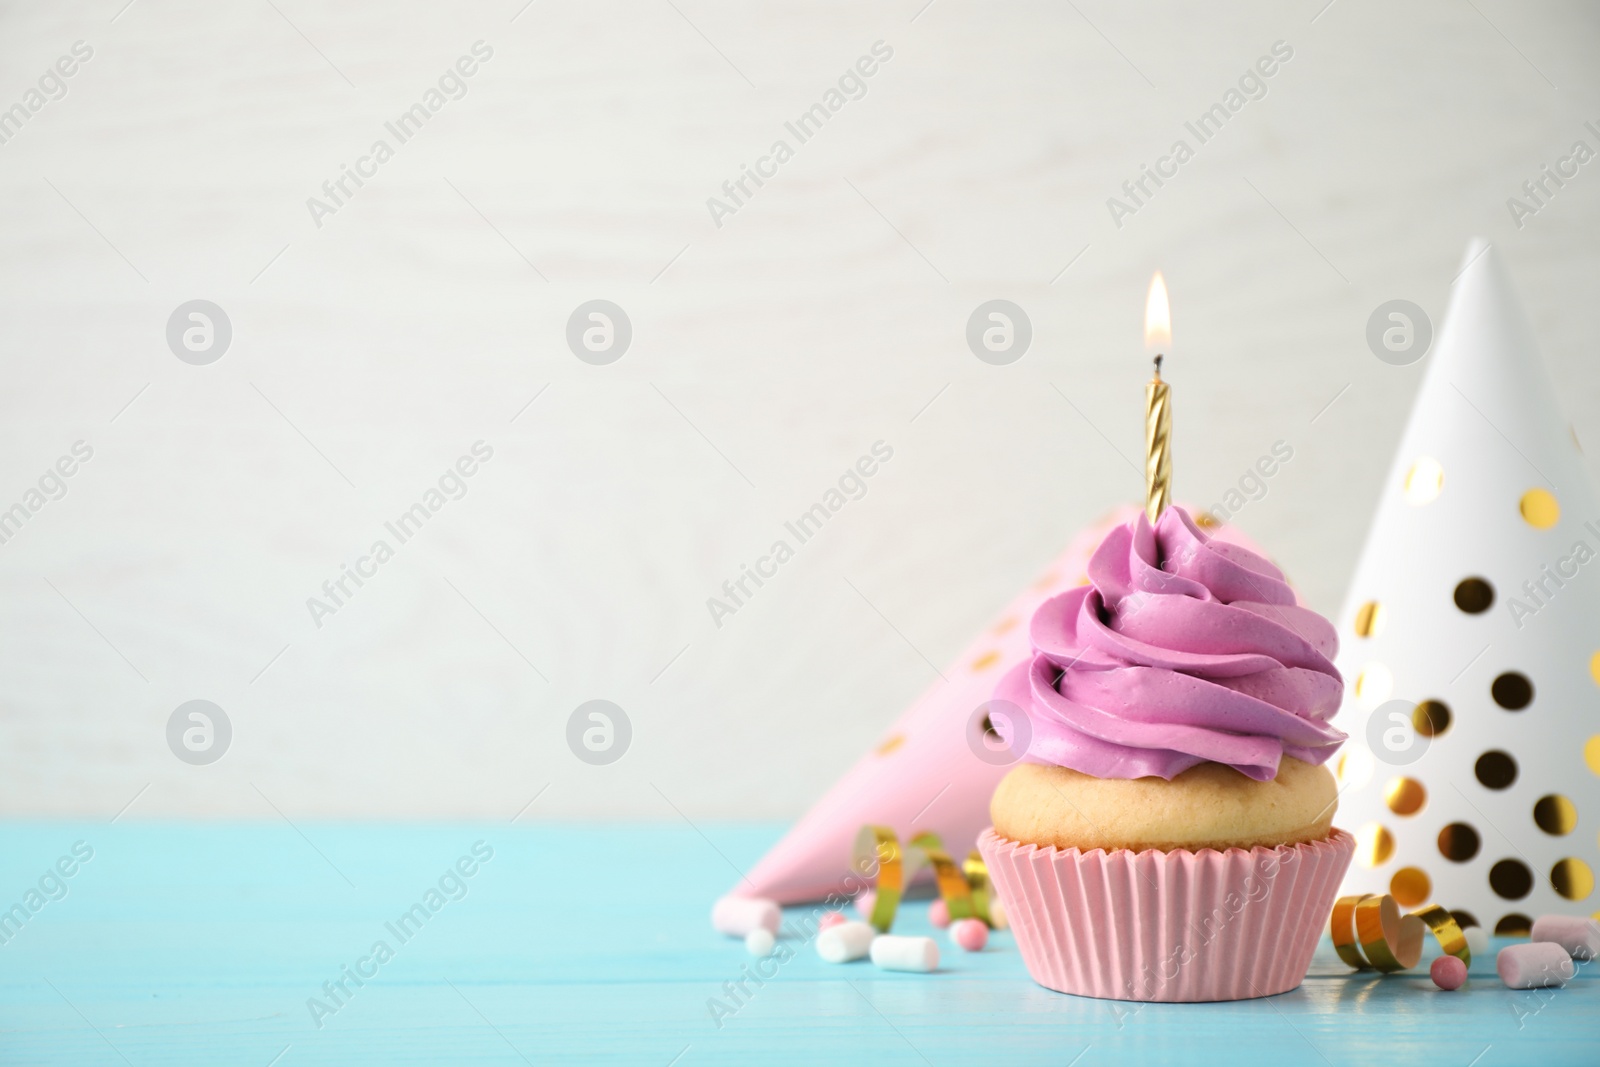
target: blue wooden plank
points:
(191, 943)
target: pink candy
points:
(830, 918)
(1448, 972)
(865, 902)
(1579, 936)
(970, 934)
(939, 913)
(1534, 965)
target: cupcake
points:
(1170, 836)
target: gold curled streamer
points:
(1343, 929)
(1369, 933)
(977, 873)
(1446, 931)
(880, 843)
(952, 883)
(964, 888)
(1391, 942)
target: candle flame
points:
(1157, 316)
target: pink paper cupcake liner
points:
(1168, 926)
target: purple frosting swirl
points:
(1181, 650)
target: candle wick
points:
(1158, 367)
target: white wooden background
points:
(768, 354)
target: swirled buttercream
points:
(1182, 649)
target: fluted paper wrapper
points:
(1168, 926)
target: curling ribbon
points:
(1369, 933)
(977, 873)
(964, 888)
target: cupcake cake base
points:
(1174, 926)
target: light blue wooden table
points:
(179, 944)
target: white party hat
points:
(1470, 636)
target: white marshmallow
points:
(844, 942)
(1477, 941)
(905, 953)
(760, 942)
(1579, 936)
(737, 916)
